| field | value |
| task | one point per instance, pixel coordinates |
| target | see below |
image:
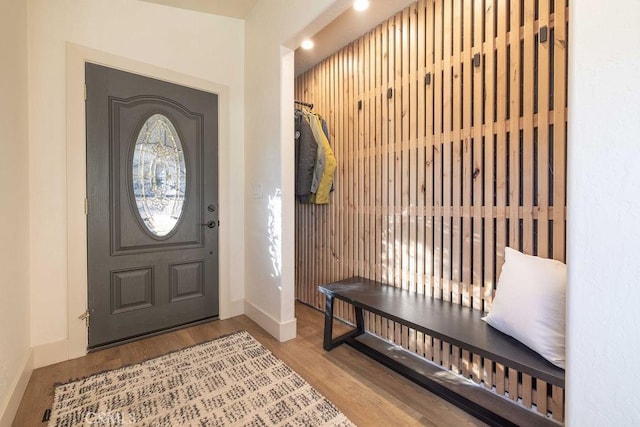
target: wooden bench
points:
(453, 323)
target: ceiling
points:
(340, 32)
(231, 8)
(344, 29)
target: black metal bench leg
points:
(328, 323)
(330, 343)
(359, 320)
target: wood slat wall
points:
(458, 149)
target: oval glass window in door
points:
(159, 175)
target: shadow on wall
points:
(429, 268)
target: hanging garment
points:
(320, 156)
(325, 129)
(306, 152)
(330, 164)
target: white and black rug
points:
(231, 381)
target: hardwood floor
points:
(367, 392)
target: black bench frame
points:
(364, 294)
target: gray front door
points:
(152, 193)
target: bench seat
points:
(453, 323)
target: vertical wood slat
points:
(456, 173)
(326, 263)
(436, 149)
(397, 144)
(337, 80)
(542, 140)
(541, 396)
(488, 151)
(557, 403)
(514, 125)
(527, 390)
(476, 152)
(363, 187)
(405, 140)
(358, 163)
(488, 167)
(403, 95)
(349, 126)
(373, 141)
(411, 168)
(435, 181)
(467, 165)
(446, 146)
(500, 379)
(528, 130)
(501, 133)
(420, 161)
(397, 147)
(559, 129)
(378, 228)
(384, 184)
(513, 384)
(456, 167)
(391, 150)
(429, 157)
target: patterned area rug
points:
(231, 381)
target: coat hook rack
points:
(544, 34)
(306, 104)
(476, 60)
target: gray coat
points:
(306, 151)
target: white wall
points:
(272, 28)
(604, 172)
(204, 46)
(14, 207)
(604, 214)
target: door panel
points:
(151, 178)
(129, 232)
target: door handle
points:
(210, 224)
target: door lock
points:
(210, 224)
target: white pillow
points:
(529, 304)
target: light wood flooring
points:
(365, 391)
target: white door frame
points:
(76, 56)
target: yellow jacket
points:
(322, 194)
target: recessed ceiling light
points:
(307, 44)
(361, 5)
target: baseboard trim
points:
(18, 387)
(282, 331)
(60, 351)
(50, 353)
(233, 309)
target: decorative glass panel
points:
(159, 178)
